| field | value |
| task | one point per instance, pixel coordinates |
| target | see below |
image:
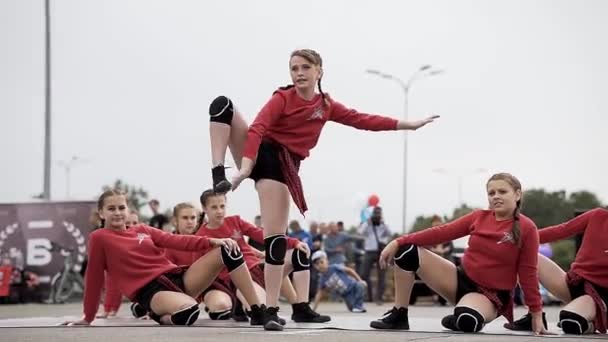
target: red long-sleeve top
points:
(113, 296)
(296, 123)
(492, 259)
(236, 228)
(591, 261)
(182, 258)
(132, 257)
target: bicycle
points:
(66, 282)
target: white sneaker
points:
(358, 310)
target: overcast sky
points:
(524, 91)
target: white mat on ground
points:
(352, 323)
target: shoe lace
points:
(272, 311)
(391, 315)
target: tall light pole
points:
(67, 166)
(460, 177)
(422, 72)
(46, 194)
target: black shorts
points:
(579, 290)
(170, 281)
(466, 285)
(268, 164)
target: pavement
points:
(38, 322)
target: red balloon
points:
(373, 200)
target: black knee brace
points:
(300, 261)
(276, 247)
(573, 323)
(221, 110)
(220, 315)
(407, 258)
(186, 316)
(231, 260)
(137, 310)
(468, 319)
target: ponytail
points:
(515, 230)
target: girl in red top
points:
(503, 245)
(585, 287)
(185, 219)
(271, 149)
(297, 261)
(135, 260)
(111, 303)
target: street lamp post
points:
(46, 193)
(67, 166)
(460, 177)
(422, 72)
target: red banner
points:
(5, 280)
(28, 231)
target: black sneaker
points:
(138, 311)
(271, 319)
(261, 322)
(524, 323)
(257, 314)
(220, 184)
(393, 319)
(303, 313)
(449, 322)
(238, 314)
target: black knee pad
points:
(300, 261)
(186, 316)
(407, 258)
(231, 260)
(276, 247)
(221, 110)
(220, 315)
(137, 310)
(573, 323)
(468, 320)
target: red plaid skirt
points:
(290, 165)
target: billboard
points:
(27, 231)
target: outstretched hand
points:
(423, 122)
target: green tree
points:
(460, 212)
(546, 208)
(137, 197)
(423, 222)
(584, 200)
(549, 208)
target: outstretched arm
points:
(564, 230)
(372, 122)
